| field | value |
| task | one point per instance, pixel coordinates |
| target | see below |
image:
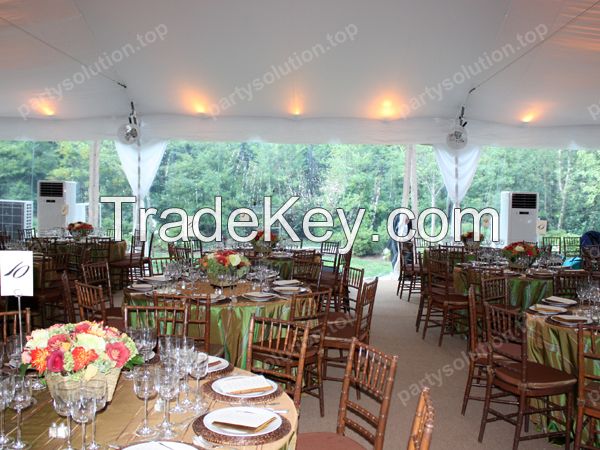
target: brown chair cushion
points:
(326, 441)
(340, 329)
(538, 376)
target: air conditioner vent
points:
(524, 201)
(50, 189)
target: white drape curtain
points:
(458, 168)
(145, 161)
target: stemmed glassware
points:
(134, 334)
(198, 370)
(7, 387)
(144, 386)
(98, 390)
(63, 395)
(83, 408)
(21, 400)
(14, 350)
(167, 385)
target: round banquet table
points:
(524, 291)
(229, 322)
(555, 346)
(117, 423)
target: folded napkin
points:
(258, 294)
(245, 385)
(245, 421)
(286, 282)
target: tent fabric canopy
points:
(352, 71)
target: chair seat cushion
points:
(340, 329)
(538, 376)
(326, 441)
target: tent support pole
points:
(94, 186)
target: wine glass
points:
(36, 383)
(63, 394)
(98, 389)
(167, 385)
(148, 343)
(198, 370)
(21, 400)
(134, 334)
(14, 350)
(83, 408)
(144, 386)
(7, 387)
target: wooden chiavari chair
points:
(443, 300)
(67, 298)
(588, 385)
(169, 320)
(182, 253)
(98, 274)
(49, 295)
(99, 248)
(353, 285)
(9, 321)
(553, 243)
(409, 270)
(277, 350)
(312, 310)
(422, 426)
(304, 254)
(78, 255)
(424, 297)
(195, 246)
(513, 375)
(158, 265)
(566, 282)
(307, 272)
(90, 300)
(571, 246)
(132, 267)
(373, 373)
(26, 234)
(340, 331)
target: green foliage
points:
(331, 176)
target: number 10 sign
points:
(16, 273)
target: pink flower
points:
(56, 362)
(56, 341)
(82, 327)
(118, 352)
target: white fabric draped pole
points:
(94, 185)
(140, 164)
(458, 168)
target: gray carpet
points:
(420, 362)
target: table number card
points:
(16, 273)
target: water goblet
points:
(83, 409)
(144, 386)
(21, 400)
(198, 370)
(14, 349)
(98, 389)
(167, 385)
(7, 386)
(36, 383)
(63, 394)
(134, 334)
(180, 367)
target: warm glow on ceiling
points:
(43, 107)
(296, 106)
(194, 102)
(387, 107)
(528, 117)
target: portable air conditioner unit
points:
(57, 205)
(15, 215)
(518, 216)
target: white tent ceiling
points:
(401, 48)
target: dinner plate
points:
(571, 321)
(259, 296)
(289, 290)
(142, 287)
(223, 363)
(159, 445)
(284, 283)
(156, 279)
(225, 414)
(560, 301)
(217, 386)
(547, 310)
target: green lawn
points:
(375, 266)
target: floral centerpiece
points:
(224, 262)
(79, 230)
(468, 240)
(521, 254)
(260, 245)
(83, 350)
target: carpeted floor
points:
(421, 362)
